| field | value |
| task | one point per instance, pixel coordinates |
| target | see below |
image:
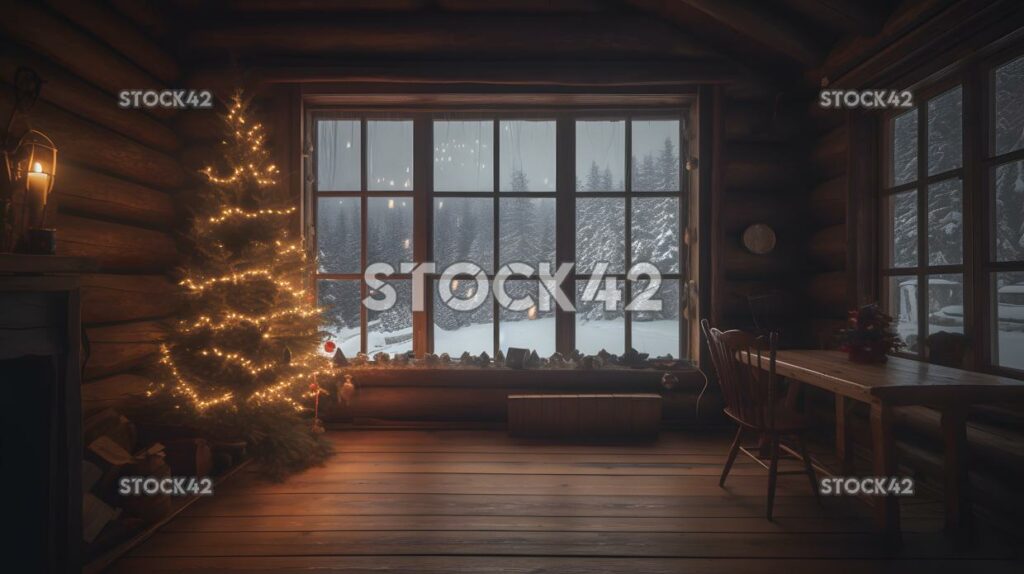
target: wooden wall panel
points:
(109, 297)
(118, 173)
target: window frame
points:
(423, 194)
(976, 76)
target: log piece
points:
(61, 42)
(108, 298)
(88, 144)
(112, 391)
(827, 202)
(829, 154)
(827, 247)
(122, 347)
(116, 247)
(753, 166)
(481, 35)
(83, 99)
(742, 264)
(827, 293)
(120, 34)
(84, 191)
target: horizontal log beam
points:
(83, 191)
(108, 298)
(88, 144)
(36, 28)
(116, 247)
(827, 202)
(829, 153)
(827, 247)
(827, 293)
(120, 34)
(120, 348)
(738, 263)
(752, 167)
(67, 91)
(588, 36)
(113, 391)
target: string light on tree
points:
(243, 356)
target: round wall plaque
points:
(759, 239)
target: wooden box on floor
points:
(585, 417)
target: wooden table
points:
(899, 382)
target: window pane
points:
(529, 329)
(463, 231)
(945, 223)
(902, 208)
(655, 232)
(463, 156)
(904, 148)
(527, 228)
(1009, 209)
(337, 235)
(337, 155)
(1008, 344)
(340, 301)
(655, 161)
(389, 155)
(657, 332)
(902, 302)
(390, 331)
(945, 131)
(597, 328)
(456, 332)
(389, 230)
(946, 303)
(600, 155)
(600, 233)
(527, 154)
(1009, 112)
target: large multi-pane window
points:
(923, 214)
(953, 222)
(606, 192)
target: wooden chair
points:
(751, 400)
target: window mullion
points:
(922, 227)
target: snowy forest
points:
(463, 231)
(944, 213)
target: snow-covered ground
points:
(655, 337)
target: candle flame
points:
(532, 313)
(37, 168)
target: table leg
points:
(843, 452)
(793, 393)
(958, 502)
(887, 508)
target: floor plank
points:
(479, 501)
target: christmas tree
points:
(242, 363)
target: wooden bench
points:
(632, 416)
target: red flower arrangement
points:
(870, 336)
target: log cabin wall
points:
(115, 198)
(765, 182)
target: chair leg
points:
(773, 473)
(733, 451)
(808, 468)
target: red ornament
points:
(329, 346)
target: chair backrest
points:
(746, 373)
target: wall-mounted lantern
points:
(31, 163)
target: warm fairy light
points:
(248, 165)
(233, 212)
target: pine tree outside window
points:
(494, 189)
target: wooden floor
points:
(478, 501)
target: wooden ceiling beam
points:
(589, 36)
(763, 25)
(854, 17)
